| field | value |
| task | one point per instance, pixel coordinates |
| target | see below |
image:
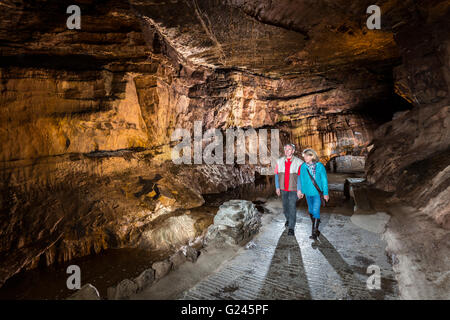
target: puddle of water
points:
(102, 271)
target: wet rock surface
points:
(121, 207)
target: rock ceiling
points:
(286, 38)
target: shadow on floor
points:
(286, 278)
(356, 288)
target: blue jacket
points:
(307, 187)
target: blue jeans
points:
(289, 207)
(314, 205)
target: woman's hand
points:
(327, 197)
(299, 194)
(278, 192)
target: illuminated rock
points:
(235, 222)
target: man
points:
(287, 183)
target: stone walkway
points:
(288, 267)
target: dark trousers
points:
(289, 199)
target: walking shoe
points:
(316, 228)
(286, 224)
(313, 233)
(291, 232)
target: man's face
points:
(288, 151)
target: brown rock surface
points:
(410, 153)
(87, 115)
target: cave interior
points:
(87, 117)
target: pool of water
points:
(101, 270)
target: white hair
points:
(291, 145)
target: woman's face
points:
(308, 158)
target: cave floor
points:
(288, 267)
(295, 267)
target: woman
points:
(313, 168)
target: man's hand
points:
(278, 192)
(299, 194)
(327, 197)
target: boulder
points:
(235, 222)
(145, 279)
(191, 253)
(177, 259)
(86, 292)
(161, 268)
(123, 290)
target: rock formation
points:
(86, 292)
(235, 223)
(410, 154)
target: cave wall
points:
(83, 117)
(409, 155)
(103, 88)
(87, 115)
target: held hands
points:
(327, 197)
(299, 194)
